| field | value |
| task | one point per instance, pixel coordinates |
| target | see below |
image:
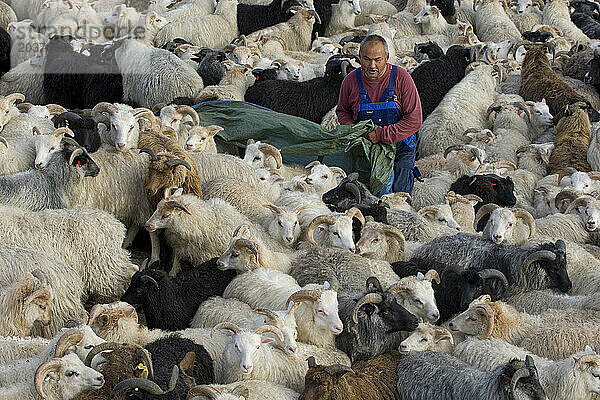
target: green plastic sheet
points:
(302, 141)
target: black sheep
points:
(447, 9)
(265, 74)
(435, 78)
(458, 286)
(5, 45)
(539, 37)
(85, 129)
(348, 193)
(210, 66)
(430, 49)
(587, 23)
(173, 44)
(593, 75)
(254, 17)
(171, 302)
(311, 99)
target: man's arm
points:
(344, 110)
(410, 106)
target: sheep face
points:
(416, 295)
(540, 113)
(587, 370)
(338, 234)
(287, 70)
(581, 182)
(523, 5)
(123, 18)
(124, 130)
(500, 225)
(8, 109)
(376, 243)
(46, 145)
(476, 320)
(427, 337)
(166, 210)
(66, 377)
(386, 314)
(589, 211)
(286, 322)
(325, 311)
(257, 155)
(349, 192)
(481, 137)
(37, 307)
(201, 139)
(323, 178)
(427, 15)
(81, 161)
(141, 288)
(470, 286)
(440, 214)
(241, 255)
(284, 226)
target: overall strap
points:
(388, 93)
(364, 96)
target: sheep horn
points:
(334, 284)
(540, 255)
(490, 273)
(488, 313)
(567, 171)
(273, 316)
(355, 213)
(527, 217)
(3, 141)
(298, 209)
(370, 298)
(427, 210)
(179, 161)
(372, 280)
(103, 107)
(145, 384)
(203, 390)
(522, 106)
(594, 175)
(519, 44)
(12, 98)
(181, 207)
(321, 219)
(586, 359)
(471, 130)
(396, 233)
(63, 131)
(150, 152)
(41, 373)
(519, 374)
(273, 151)
(484, 210)
(312, 363)
(582, 201)
(523, 149)
(432, 275)
(564, 195)
(55, 109)
(24, 107)
(312, 164)
(505, 164)
(337, 368)
(187, 110)
(495, 107)
(99, 349)
(39, 274)
(338, 170)
(68, 339)
(249, 244)
(452, 148)
(149, 279)
(226, 325)
(303, 295)
(353, 188)
(274, 208)
(344, 67)
(270, 328)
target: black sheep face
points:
(528, 386)
(470, 286)
(557, 269)
(348, 193)
(391, 314)
(141, 288)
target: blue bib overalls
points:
(383, 113)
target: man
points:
(397, 113)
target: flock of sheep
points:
(138, 260)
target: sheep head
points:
(589, 211)
(201, 139)
(503, 222)
(121, 128)
(257, 154)
(415, 293)
(440, 214)
(323, 302)
(8, 109)
(478, 320)
(242, 254)
(323, 178)
(283, 224)
(428, 337)
(170, 207)
(66, 377)
(286, 322)
(335, 229)
(31, 299)
(113, 321)
(381, 241)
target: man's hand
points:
(372, 137)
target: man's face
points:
(373, 59)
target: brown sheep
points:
(373, 379)
(573, 136)
(539, 81)
(123, 362)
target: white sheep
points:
(27, 78)
(556, 14)
(433, 23)
(296, 32)
(233, 86)
(26, 42)
(525, 14)
(121, 20)
(7, 16)
(428, 337)
(202, 139)
(343, 15)
(244, 390)
(492, 23)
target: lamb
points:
(368, 379)
(296, 32)
(247, 389)
(422, 375)
(25, 302)
(455, 102)
(277, 290)
(428, 337)
(556, 14)
(573, 137)
(343, 15)
(142, 65)
(26, 41)
(104, 271)
(211, 31)
(233, 86)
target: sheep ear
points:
(214, 129)
(420, 275)
(544, 100)
(326, 285)
(178, 192)
(443, 336)
(42, 293)
(266, 340)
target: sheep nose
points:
(357, 250)
(308, 180)
(289, 239)
(292, 349)
(435, 316)
(100, 380)
(416, 20)
(451, 326)
(247, 368)
(403, 347)
(338, 329)
(121, 146)
(189, 147)
(497, 237)
(38, 165)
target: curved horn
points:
(149, 279)
(76, 153)
(150, 152)
(270, 328)
(63, 131)
(504, 164)
(337, 368)
(187, 110)
(527, 217)
(370, 298)
(12, 98)
(489, 273)
(226, 325)
(396, 233)
(144, 384)
(55, 109)
(355, 213)
(303, 295)
(568, 171)
(274, 208)
(179, 161)
(523, 149)
(249, 244)
(372, 280)
(519, 374)
(484, 210)
(586, 358)
(273, 316)
(203, 390)
(582, 201)
(353, 188)
(522, 106)
(312, 164)
(338, 170)
(567, 194)
(103, 107)
(273, 151)
(449, 149)
(3, 141)
(41, 373)
(321, 219)
(540, 255)
(488, 313)
(147, 361)
(99, 349)
(68, 339)
(239, 228)
(432, 275)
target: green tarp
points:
(301, 140)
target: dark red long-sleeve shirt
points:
(408, 101)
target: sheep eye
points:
(325, 177)
(375, 240)
(423, 340)
(295, 223)
(256, 158)
(257, 347)
(509, 224)
(418, 301)
(336, 234)
(441, 220)
(71, 373)
(89, 347)
(280, 224)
